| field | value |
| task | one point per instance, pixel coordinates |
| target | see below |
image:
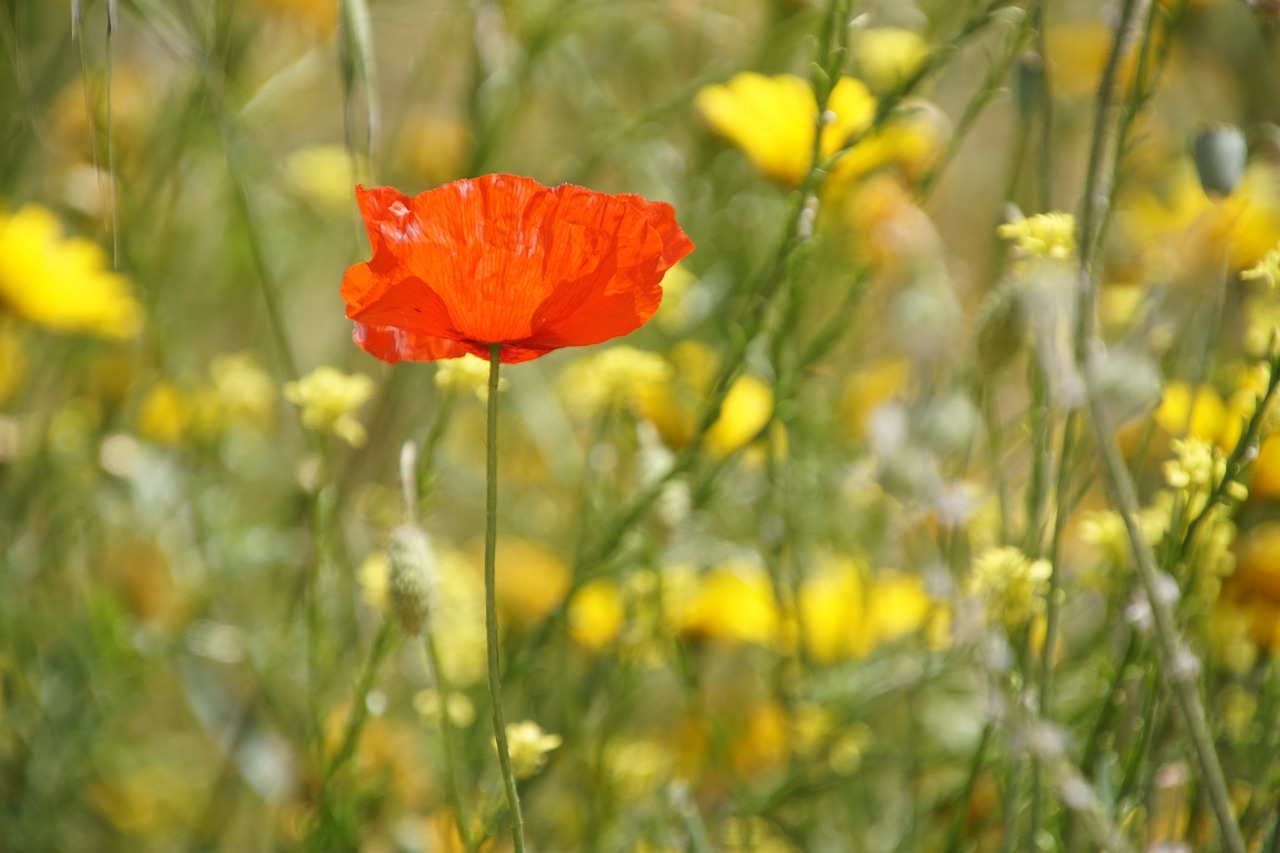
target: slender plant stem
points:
(491, 606)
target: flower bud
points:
(1028, 84)
(1220, 154)
(411, 566)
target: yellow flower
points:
(244, 391)
(374, 579)
(1178, 415)
(532, 580)
(733, 602)
(869, 387)
(1267, 269)
(886, 56)
(846, 614)
(329, 399)
(612, 377)
(529, 746)
(61, 283)
(468, 373)
(1011, 585)
(326, 175)
(164, 415)
(1050, 236)
(673, 312)
(746, 409)
(596, 614)
(772, 119)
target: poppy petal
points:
(502, 259)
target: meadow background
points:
(935, 510)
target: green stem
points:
(450, 736)
(491, 607)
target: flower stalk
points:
(490, 603)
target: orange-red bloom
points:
(501, 259)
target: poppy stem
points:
(490, 604)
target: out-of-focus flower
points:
(879, 222)
(772, 119)
(458, 624)
(432, 149)
(1178, 414)
(733, 602)
(596, 614)
(885, 57)
(468, 373)
(1011, 585)
(868, 387)
(462, 711)
(613, 377)
(846, 613)
(374, 579)
(1078, 53)
(763, 742)
(61, 283)
(638, 767)
(746, 410)
(529, 747)
(329, 399)
(325, 174)
(1047, 236)
(1267, 269)
(910, 141)
(164, 414)
(1253, 589)
(501, 259)
(532, 580)
(673, 313)
(245, 392)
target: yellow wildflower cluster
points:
(239, 391)
(1196, 470)
(329, 398)
(1047, 236)
(1011, 585)
(529, 747)
(612, 378)
(61, 283)
(468, 373)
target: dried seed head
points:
(411, 566)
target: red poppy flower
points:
(501, 259)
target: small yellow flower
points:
(1267, 269)
(746, 409)
(244, 391)
(1010, 584)
(733, 602)
(1050, 236)
(468, 373)
(165, 414)
(1178, 414)
(329, 398)
(772, 119)
(61, 283)
(596, 614)
(529, 746)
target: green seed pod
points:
(1220, 153)
(1001, 330)
(411, 566)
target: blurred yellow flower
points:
(164, 415)
(772, 119)
(374, 579)
(612, 377)
(673, 311)
(1178, 415)
(467, 373)
(596, 614)
(733, 602)
(1012, 586)
(912, 141)
(884, 57)
(1253, 590)
(1048, 236)
(764, 741)
(529, 747)
(326, 175)
(532, 580)
(61, 283)
(868, 387)
(1267, 269)
(244, 391)
(329, 398)
(458, 623)
(846, 614)
(746, 410)
(433, 149)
